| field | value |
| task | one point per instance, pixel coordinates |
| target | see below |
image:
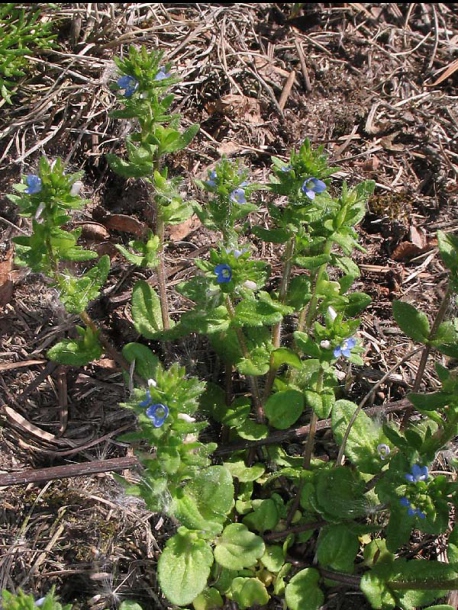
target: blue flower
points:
(238, 196)
(286, 168)
(157, 413)
(33, 184)
(345, 348)
(211, 178)
(411, 511)
(419, 473)
(162, 74)
(383, 450)
(129, 84)
(312, 187)
(223, 273)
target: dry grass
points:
(376, 84)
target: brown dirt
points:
(375, 83)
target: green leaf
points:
(252, 431)
(244, 473)
(302, 592)
(339, 494)
(299, 292)
(357, 303)
(237, 414)
(129, 170)
(205, 500)
(256, 313)
(275, 236)
(129, 605)
(146, 310)
(238, 548)
(376, 591)
(423, 576)
(452, 546)
(448, 249)
(315, 400)
(256, 364)
(365, 435)
(184, 567)
(249, 592)
(399, 528)
(306, 344)
(187, 136)
(77, 352)
(145, 361)
(312, 262)
(273, 558)
(77, 293)
(337, 548)
(284, 355)
(206, 322)
(209, 599)
(265, 516)
(430, 402)
(412, 322)
(284, 408)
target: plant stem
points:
(308, 452)
(424, 585)
(276, 330)
(161, 272)
(440, 315)
(308, 314)
(259, 409)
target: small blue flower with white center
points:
(33, 184)
(223, 273)
(238, 196)
(312, 187)
(157, 413)
(286, 168)
(129, 84)
(345, 348)
(418, 473)
(162, 75)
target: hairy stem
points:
(161, 272)
(276, 330)
(308, 314)
(259, 409)
(440, 315)
(308, 452)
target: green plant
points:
(21, 32)
(22, 601)
(244, 508)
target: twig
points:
(42, 475)
(305, 74)
(287, 90)
(283, 436)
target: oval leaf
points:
(184, 567)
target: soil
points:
(375, 84)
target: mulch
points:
(374, 83)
